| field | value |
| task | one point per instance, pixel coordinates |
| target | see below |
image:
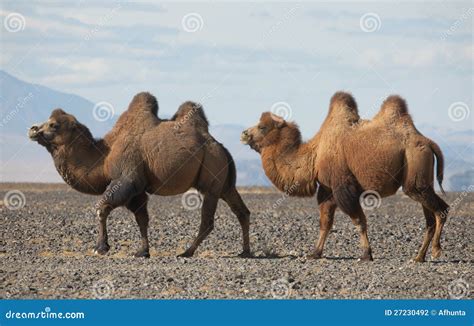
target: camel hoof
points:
(314, 256)
(436, 253)
(245, 254)
(101, 249)
(186, 254)
(419, 259)
(142, 254)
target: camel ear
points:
(279, 121)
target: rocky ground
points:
(46, 251)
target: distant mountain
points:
(22, 104)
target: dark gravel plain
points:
(46, 250)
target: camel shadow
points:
(265, 256)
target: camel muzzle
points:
(245, 137)
(34, 132)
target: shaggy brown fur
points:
(349, 156)
(143, 154)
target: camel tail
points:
(144, 101)
(439, 164)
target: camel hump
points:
(394, 106)
(144, 101)
(193, 113)
(343, 103)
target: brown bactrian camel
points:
(144, 154)
(349, 158)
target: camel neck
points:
(82, 166)
(291, 169)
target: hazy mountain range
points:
(23, 103)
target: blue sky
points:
(245, 56)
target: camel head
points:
(60, 129)
(265, 133)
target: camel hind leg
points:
(418, 185)
(236, 204)
(138, 206)
(429, 232)
(208, 210)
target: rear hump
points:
(192, 113)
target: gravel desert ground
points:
(46, 250)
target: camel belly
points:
(379, 167)
(172, 168)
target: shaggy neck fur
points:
(288, 163)
(81, 162)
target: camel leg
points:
(429, 232)
(360, 221)
(431, 201)
(237, 205)
(138, 206)
(346, 196)
(326, 211)
(102, 246)
(208, 210)
(118, 193)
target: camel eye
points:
(54, 125)
(262, 128)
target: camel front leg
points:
(326, 211)
(118, 193)
(102, 246)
